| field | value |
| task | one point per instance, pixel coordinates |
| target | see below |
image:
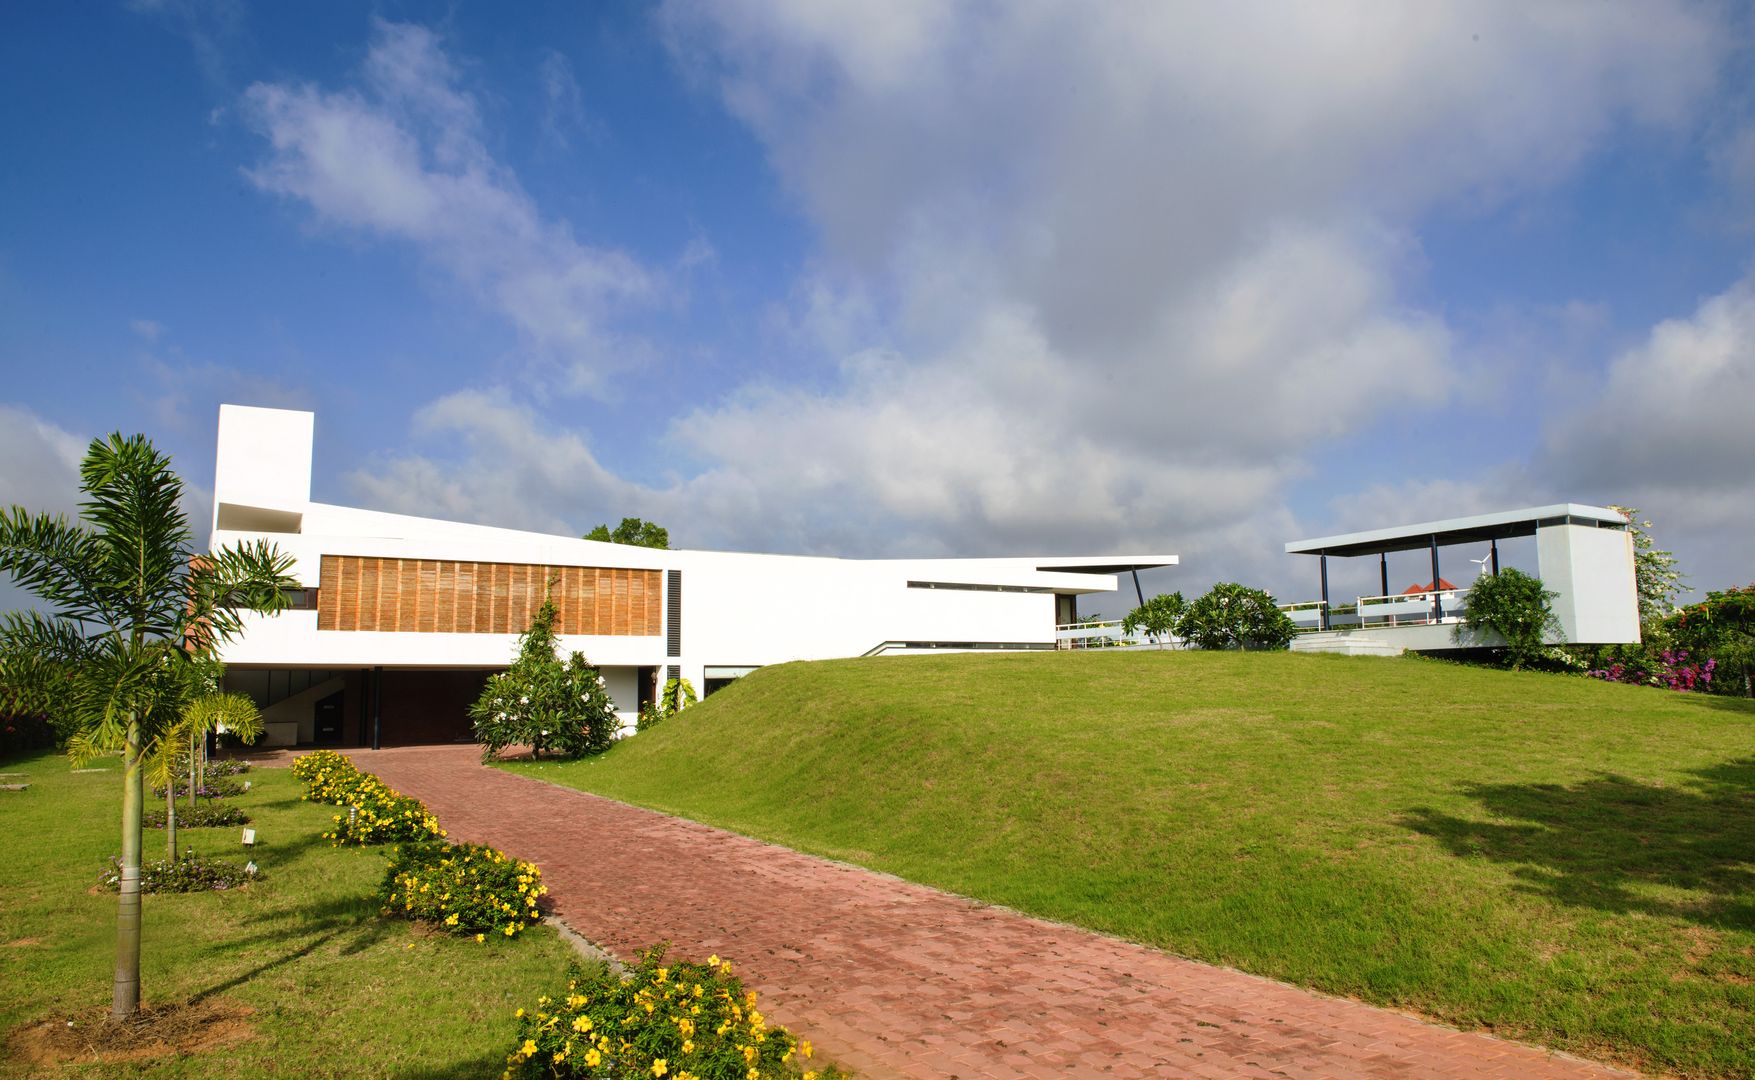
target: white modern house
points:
(1584, 555)
(400, 619)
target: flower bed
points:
(688, 1021)
(213, 788)
(189, 873)
(377, 813)
(226, 767)
(202, 816)
(462, 889)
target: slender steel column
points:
(1494, 548)
(1136, 587)
(1383, 572)
(1322, 562)
(1437, 604)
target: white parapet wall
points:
(1590, 571)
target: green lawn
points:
(1557, 859)
(334, 989)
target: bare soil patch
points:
(91, 1037)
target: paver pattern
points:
(895, 979)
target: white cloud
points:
(41, 475)
(563, 102)
(1669, 431)
(146, 329)
(402, 157)
(1091, 277)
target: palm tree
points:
(131, 610)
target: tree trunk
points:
(126, 1001)
(193, 781)
(171, 820)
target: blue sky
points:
(902, 278)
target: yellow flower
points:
(804, 1048)
(592, 1058)
(688, 1046)
(660, 1067)
(713, 961)
(519, 1015)
(582, 1024)
(529, 1048)
(481, 937)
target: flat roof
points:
(1104, 564)
(1463, 530)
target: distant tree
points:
(1655, 576)
(1517, 606)
(1233, 616)
(1160, 616)
(634, 531)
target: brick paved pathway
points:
(894, 979)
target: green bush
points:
(543, 702)
(188, 873)
(1233, 616)
(678, 695)
(687, 1021)
(462, 889)
(1516, 605)
(200, 816)
(1723, 627)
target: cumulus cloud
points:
(1669, 431)
(1089, 277)
(1121, 268)
(401, 156)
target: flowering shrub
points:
(545, 703)
(201, 816)
(376, 812)
(688, 1021)
(189, 873)
(678, 695)
(462, 889)
(1671, 669)
(226, 767)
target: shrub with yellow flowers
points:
(462, 889)
(682, 1021)
(377, 813)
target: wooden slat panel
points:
(427, 596)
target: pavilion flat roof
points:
(1463, 530)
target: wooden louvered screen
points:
(433, 596)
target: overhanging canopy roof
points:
(1105, 564)
(1478, 528)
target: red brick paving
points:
(895, 979)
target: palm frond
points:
(56, 561)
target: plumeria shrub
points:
(462, 889)
(1233, 616)
(687, 1021)
(543, 702)
(376, 812)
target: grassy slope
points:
(336, 990)
(1563, 860)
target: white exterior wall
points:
(1591, 572)
(738, 610)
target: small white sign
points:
(249, 837)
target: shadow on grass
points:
(485, 1065)
(1617, 844)
(351, 922)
